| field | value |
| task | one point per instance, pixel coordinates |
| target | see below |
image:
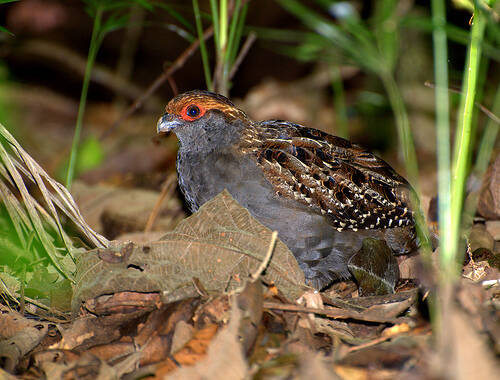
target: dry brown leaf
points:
(13, 350)
(219, 246)
(249, 301)
(224, 359)
(192, 352)
(410, 267)
(479, 237)
(12, 322)
(89, 331)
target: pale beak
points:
(167, 123)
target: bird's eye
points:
(193, 111)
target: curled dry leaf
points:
(220, 245)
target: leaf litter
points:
(189, 306)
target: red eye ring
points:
(192, 112)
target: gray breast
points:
(321, 251)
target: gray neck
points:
(214, 133)
(206, 158)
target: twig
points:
(178, 63)
(332, 313)
(173, 85)
(485, 110)
(263, 265)
(382, 339)
(242, 54)
(167, 186)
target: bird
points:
(323, 194)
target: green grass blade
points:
(214, 9)
(488, 139)
(233, 28)
(403, 125)
(447, 243)
(239, 33)
(203, 47)
(223, 27)
(463, 140)
(94, 47)
(34, 217)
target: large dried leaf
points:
(220, 245)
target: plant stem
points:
(231, 43)
(220, 81)
(215, 21)
(223, 26)
(447, 242)
(464, 136)
(233, 30)
(403, 126)
(203, 48)
(488, 140)
(239, 33)
(93, 48)
(409, 154)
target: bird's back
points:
(352, 187)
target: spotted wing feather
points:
(353, 188)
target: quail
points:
(323, 194)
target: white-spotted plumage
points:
(353, 187)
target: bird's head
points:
(204, 115)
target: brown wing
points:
(351, 186)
